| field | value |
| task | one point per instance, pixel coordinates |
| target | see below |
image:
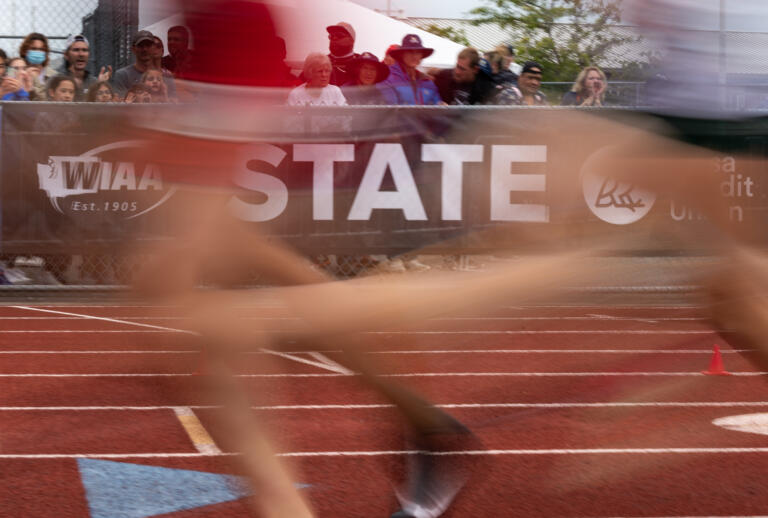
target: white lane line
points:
(11, 353)
(477, 332)
(590, 318)
(275, 305)
(557, 374)
(405, 352)
(330, 363)
(335, 367)
(197, 433)
(103, 319)
(395, 375)
(580, 451)
(324, 366)
(82, 331)
(585, 451)
(327, 361)
(566, 351)
(558, 332)
(374, 406)
(604, 307)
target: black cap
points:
(532, 67)
(142, 36)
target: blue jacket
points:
(20, 95)
(402, 90)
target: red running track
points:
(598, 412)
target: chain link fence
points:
(107, 24)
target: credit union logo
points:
(615, 202)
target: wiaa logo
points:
(614, 202)
(104, 180)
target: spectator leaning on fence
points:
(366, 72)
(138, 94)
(408, 85)
(143, 48)
(100, 92)
(35, 51)
(317, 91)
(60, 89)
(469, 82)
(75, 65)
(588, 89)
(526, 92)
(153, 80)
(16, 83)
(341, 44)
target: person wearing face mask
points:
(341, 43)
(35, 51)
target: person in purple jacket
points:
(408, 85)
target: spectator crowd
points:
(339, 77)
(342, 76)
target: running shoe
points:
(437, 473)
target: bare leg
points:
(275, 495)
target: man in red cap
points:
(342, 46)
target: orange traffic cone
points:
(716, 364)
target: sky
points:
(426, 8)
(62, 17)
(744, 15)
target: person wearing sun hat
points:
(366, 73)
(408, 85)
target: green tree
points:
(563, 35)
(455, 35)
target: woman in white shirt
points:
(317, 91)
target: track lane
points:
(188, 390)
(531, 485)
(380, 429)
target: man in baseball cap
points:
(76, 56)
(341, 43)
(142, 46)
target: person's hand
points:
(599, 89)
(34, 72)
(130, 98)
(105, 74)
(163, 91)
(10, 85)
(26, 80)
